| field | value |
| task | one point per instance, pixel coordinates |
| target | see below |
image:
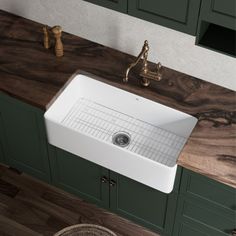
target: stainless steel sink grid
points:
(101, 122)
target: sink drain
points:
(121, 139)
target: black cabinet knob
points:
(112, 183)
(104, 179)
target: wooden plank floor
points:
(29, 207)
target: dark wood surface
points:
(29, 207)
(34, 75)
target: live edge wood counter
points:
(34, 75)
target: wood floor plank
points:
(9, 227)
(49, 208)
(8, 189)
(21, 213)
(28, 184)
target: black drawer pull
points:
(104, 179)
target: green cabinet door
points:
(217, 26)
(79, 176)
(205, 207)
(219, 12)
(181, 15)
(118, 5)
(23, 137)
(142, 204)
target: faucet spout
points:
(145, 74)
(143, 54)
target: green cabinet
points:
(217, 26)
(219, 12)
(205, 207)
(23, 137)
(118, 193)
(79, 176)
(118, 5)
(142, 204)
(181, 15)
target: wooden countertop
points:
(34, 75)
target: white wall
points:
(125, 33)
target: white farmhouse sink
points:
(91, 119)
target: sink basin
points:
(121, 131)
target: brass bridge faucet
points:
(145, 73)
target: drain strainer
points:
(121, 139)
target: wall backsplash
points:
(125, 33)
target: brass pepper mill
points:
(57, 31)
(46, 41)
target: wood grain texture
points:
(37, 80)
(39, 209)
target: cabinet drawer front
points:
(196, 185)
(210, 217)
(224, 7)
(180, 15)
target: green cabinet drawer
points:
(23, 137)
(180, 15)
(201, 187)
(79, 176)
(206, 219)
(118, 5)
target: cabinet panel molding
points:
(227, 8)
(179, 15)
(23, 137)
